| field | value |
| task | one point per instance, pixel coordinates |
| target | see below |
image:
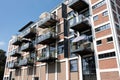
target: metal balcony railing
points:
(47, 57)
(47, 20)
(16, 53)
(83, 48)
(27, 47)
(13, 65)
(47, 38)
(29, 33)
(78, 5)
(26, 62)
(79, 23)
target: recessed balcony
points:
(26, 62)
(16, 53)
(27, 47)
(79, 23)
(13, 65)
(78, 5)
(29, 33)
(47, 20)
(82, 45)
(47, 38)
(47, 57)
(83, 49)
(16, 41)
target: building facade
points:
(78, 40)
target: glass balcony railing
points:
(47, 20)
(82, 48)
(47, 56)
(26, 62)
(15, 53)
(78, 5)
(79, 23)
(13, 65)
(47, 38)
(29, 33)
(27, 47)
(16, 41)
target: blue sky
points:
(16, 13)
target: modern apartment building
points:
(78, 40)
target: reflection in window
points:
(60, 47)
(73, 65)
(88, 65)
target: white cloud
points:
(2, 43)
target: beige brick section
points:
(61, 56)
(101, 19)
(108, 63)
(61, 71)
(105, 46)
(74, 76)
(97, 10)
(43, 73)
(110, 75)
(103, 33)
(93, 1)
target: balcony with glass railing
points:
(79, 23)
(83, 46)
(47, 56)
(78, 5)
(15, 53)
(27, 47)
(47, 38)
(13, 65)
(26, 62)
(16, 41)
(29, 33)
(47, 20)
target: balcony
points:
(47, 57)
(79, 23)
(16, 53)
(83, 49)
(47, 20)
(16, 41)
(13, 65)
(29, 33)
(26, 62)
(47, 38)
(78, 5)
(27, 47)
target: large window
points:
(98, 5)
(101, 28)
(106, 55)
(60, 47)
(73, 65)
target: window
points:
(105, 13)
(101, 28)
(73, 65)
(99, 42)
(99, 4)
(106, 55)
(95, 18)
(117, 26)
(109, 39)
(60, 47)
